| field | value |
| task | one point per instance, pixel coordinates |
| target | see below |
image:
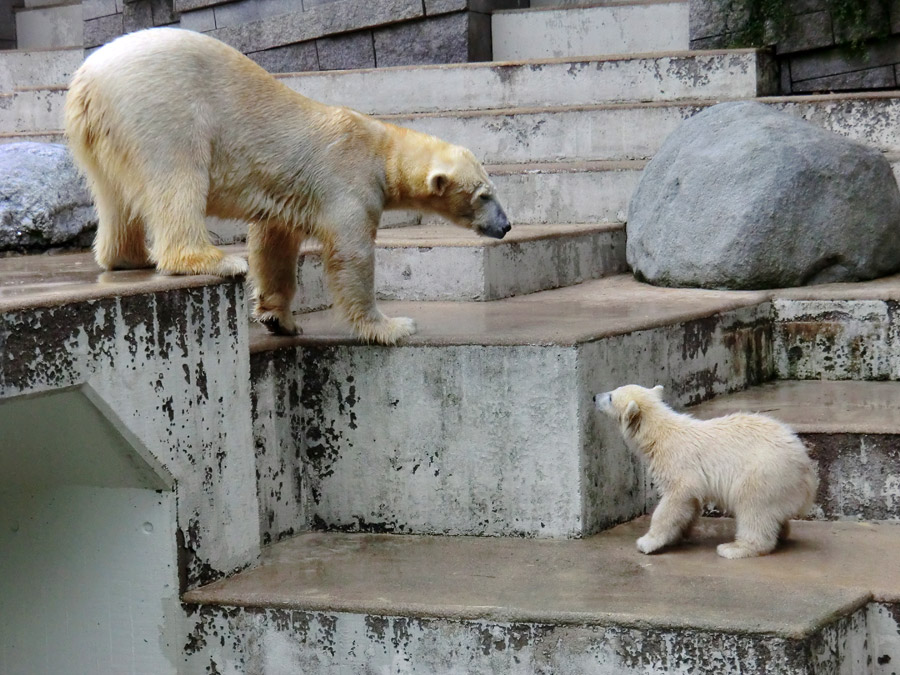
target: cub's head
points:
(459, 189)
(627, 404)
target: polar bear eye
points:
(485, 197)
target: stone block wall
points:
(818, 51)
(304, 35)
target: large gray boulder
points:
(743, 196)
(44, 202)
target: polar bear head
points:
(627, 404)
(460, 190)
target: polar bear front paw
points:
(279, 325)
(232, 266)
(386, 331)
(648, 544)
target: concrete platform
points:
(430, 262)
(567, 316)
(851, 428)
(491, 428)
(824, 569)
(817, 407)
(28, 282)
(830, 583)
(560, 133)
(591, 28)
(839, 331)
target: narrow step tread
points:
(830, 407)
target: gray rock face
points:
(44, 202)
(745, 197)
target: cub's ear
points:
(438, 182)
(658, 390)
(631, 416)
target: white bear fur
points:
(749, 465)
(171, 126)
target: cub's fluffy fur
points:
(750, 465)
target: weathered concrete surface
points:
(173, 366)
(437, 604)
(276, 383)
(852, 429)
(37, 68)
(35, 109)
(610, 28)
(53, 281)
(566, 82)
(528, 456)
(837, 339)
(444, 262)
(566, 316)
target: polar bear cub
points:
(751, 466)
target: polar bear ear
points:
(631, 417)
(632, 411)
(658, 390)
(438, 182)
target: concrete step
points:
(492, 428)
(569, 133)
(55, 136)
(533, 194)
(51, 26)
(38, 67)
(741, 74)
(526, 454)
(444, 262)
(852, 430)
(839, 331)
(555, 82)
(826, 602)
(637, 130)
(592, 28)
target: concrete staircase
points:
(353, 463)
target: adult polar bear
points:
(171, 125)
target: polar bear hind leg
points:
(757, 534)
(120, 242)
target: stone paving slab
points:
(824, 571)
(53, 280)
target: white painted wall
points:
(88, 557)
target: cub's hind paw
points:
(735, 550)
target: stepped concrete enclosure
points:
(181, 492)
